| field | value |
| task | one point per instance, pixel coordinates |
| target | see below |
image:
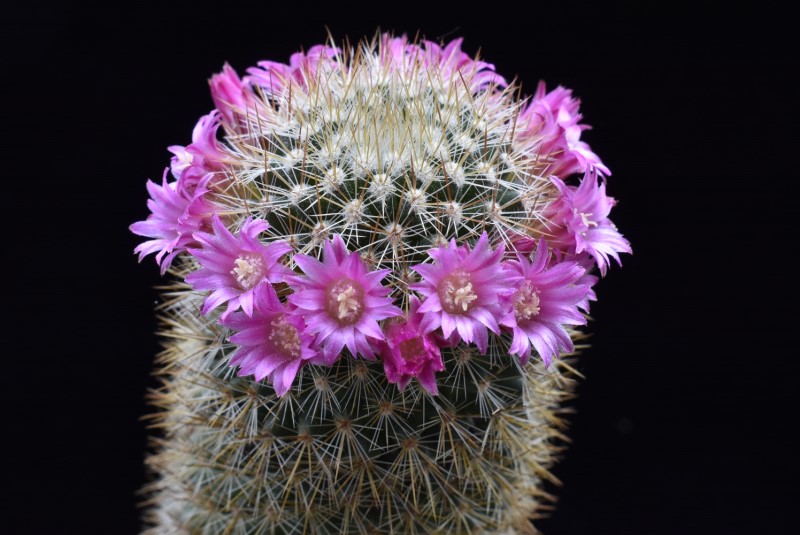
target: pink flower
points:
(202, 156)
(554, 120)
(462, 290)
(397, 51)
(341, 300)
(545, 298)
(272, 343)
(447, 62)
(582, 224)
(231, 95)
(409, 352)
(274, 77)
(525, 245)
(175, 215)
(233, 268)
(589, 281)
(521, 243)
(451, 60)
(587, 262)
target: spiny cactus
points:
(365, 217)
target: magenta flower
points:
(409, 352)
(526, 245)
(589, 281)
(233, 268)
(231, 95)
(585, 261)
(451, 60)
(545, 298)
(175, 216)
(341, 300)
(463, 290)
(448, 61)
(554, 120)
(274, 77)
(521, 243)
(273, 342)
(581, 218)
(202, 156)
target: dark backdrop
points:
(684, 422)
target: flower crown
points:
(384, 202)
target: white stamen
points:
(348, 304)
(345, 301)
(456, 293)
(586, 221)
(526, 301)
(464, 296)
(249, 270)
(285, 337)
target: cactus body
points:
(397, 148)
(346, 452)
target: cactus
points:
(435, 404)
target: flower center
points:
(413, 353)
(585, 218)
(456, 293)
(249, 270)
(285, 337)
(346, 301)
(526, 301)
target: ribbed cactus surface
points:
(346, 452)
(389, 156)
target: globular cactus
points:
(339, 227)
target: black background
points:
(685, 422)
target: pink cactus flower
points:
(589, 280)
(202, 156)
(580, 216)
(341, 300)
(448, 61)
(234, 267)
(463, 290)
(231, 95)
(553, 118)
(545, 298)
(274, 77)
(273, 341)
(175, 216)
(409, 352)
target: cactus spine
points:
(346, 452)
